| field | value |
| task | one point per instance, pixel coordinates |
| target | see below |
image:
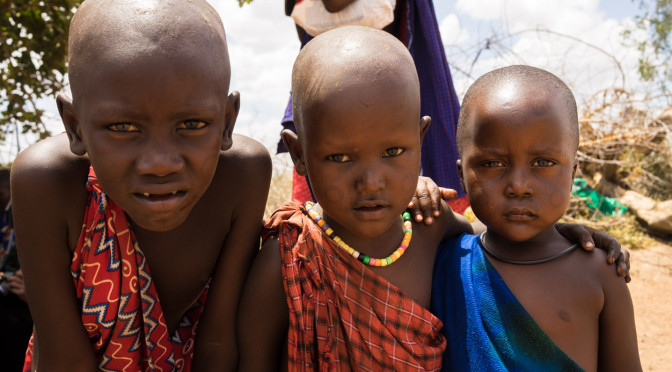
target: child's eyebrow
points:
(197, 108)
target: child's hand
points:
(589, 238)
(426, 203)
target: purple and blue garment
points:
(418, 29)
(486, 327)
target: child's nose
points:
(518, 183)
(370, 180)
(159, 158)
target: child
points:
(357, 110)
(151, 115)
(314, 300)
(532, 301)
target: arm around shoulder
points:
(454, 223)
(263, 316)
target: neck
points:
(546, 243)
(375, 246)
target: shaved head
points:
(525, 80)
(124, 31)
(347, 58)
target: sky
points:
(578, 40)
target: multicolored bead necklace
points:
(366, 260)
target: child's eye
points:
(123, 127)
(543, 163)
(493, 164)
(393, 151)
(192, 124)
(338, 158)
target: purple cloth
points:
(419, 31)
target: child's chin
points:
(160, 224)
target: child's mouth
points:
(371, 208)
(370, 211)
(160, 197)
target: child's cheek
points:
(478, 196)
(409, 182)
(334, 194)
(559, 199)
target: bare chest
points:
(181, 264)
(412, 272)
(563, 299)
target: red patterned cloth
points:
(343, 316)
(119, 303)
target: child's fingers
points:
(447, 194)
(623, 263)
(425, 201)
(577, 233)
(414, 208)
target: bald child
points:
(520, 296)
(136, 229)
(345, 284)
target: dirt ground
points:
(651, 290)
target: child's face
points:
(153, 129)
(362, 155)
(518, 162)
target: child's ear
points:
(232, 109)
(459, 171)
(424, 125)
(71, 123)
(293, 145)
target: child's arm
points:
(618, 338)
(589, 238)
(263, 317)
(426, 203)
(48, 199)
(247, 169)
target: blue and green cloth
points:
(487, 329)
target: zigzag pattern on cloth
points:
(120, 309)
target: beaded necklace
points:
(366, 260)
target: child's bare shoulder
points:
(48, 177)
(593, 265)
(247, 158)
(52, 160)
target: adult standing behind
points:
(416, 26)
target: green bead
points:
(366, 260)
(389, 260)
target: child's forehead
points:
(130, 27)
(123, 36)
(520, 100)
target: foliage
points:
(655, 61)
(33, 40)
(241, 2)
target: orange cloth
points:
(343, 315)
